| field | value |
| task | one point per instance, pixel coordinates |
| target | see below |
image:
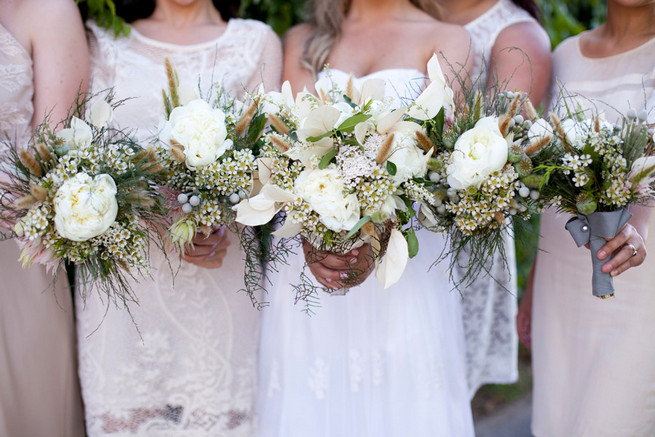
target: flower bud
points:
(585, 204)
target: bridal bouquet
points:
(482, 170)
(336, 165)
(209, 154)
(599, 171)
(85, 195)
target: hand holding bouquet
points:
(600, 170)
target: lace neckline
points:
(18, 44)
(383, 72)
(630, 52)
(185, 47)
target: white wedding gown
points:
(373, 362)
(190, 368)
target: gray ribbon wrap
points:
(594, 229)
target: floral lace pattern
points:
(16, 87)
(185, 365)
(489, 304)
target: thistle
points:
(585, 204)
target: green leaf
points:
(320, 137)
(391, 168)
(362, 221)
(325, 160)
(440, 119)
(412, 242)
(349, 124)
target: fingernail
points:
(343, 275)
(211, 254)
(355, 252)
(614, 273)
(328, 280)
(353, 260)
(601, 254)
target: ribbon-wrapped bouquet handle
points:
(594, 229)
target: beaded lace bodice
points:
(16, 85)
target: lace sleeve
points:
(102, 48)
(269, 70)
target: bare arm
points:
(293, 71)
(60, 56)
(520, 60)
(454, 47)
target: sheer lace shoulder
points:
(102, 49)
(16, 86)
(485, 29)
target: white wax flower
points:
(324, 191)
(200, 129)
(85, 206)
(78, 135)
(478, 153)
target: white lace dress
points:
(190, 368)
(39, 391)
(489, 305)
(593, 359)
(374, 362)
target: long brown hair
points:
(326, 19)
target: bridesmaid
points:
(189, 368)
(512, 52)
(593, 359)
(373, 362)
(43, 64)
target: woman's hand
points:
(208, 251)
(339, 271)
(628, 248)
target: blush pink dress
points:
(593, 359)
(39, 390)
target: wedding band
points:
(634, 249)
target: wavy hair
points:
(327, 17)
(530, 6)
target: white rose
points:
(324, 191)
(408, 158)
(200, 129)
(478, 153)
(78, 135)
(85, 207)
(540, 129)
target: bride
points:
(373, 362)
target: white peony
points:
(478, 153)
(78, 135)
(200, 129)
(85, 207)
(324, 190)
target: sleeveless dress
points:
(489, 304)
(39, 392)
(373, 362)
(189, 369)
(592, 358)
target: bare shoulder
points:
(527, 36)
(453, 43)
(297, 35)
(62, 16)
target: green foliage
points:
(104, 12)
(563, 19)
(279, 14)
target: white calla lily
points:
(78, 135)
(100, 114)
(393, 264)
(436, 95)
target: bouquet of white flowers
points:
(337, 166)
(600, 169)
(84, 194)
(481, 173)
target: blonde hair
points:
(326, 19)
